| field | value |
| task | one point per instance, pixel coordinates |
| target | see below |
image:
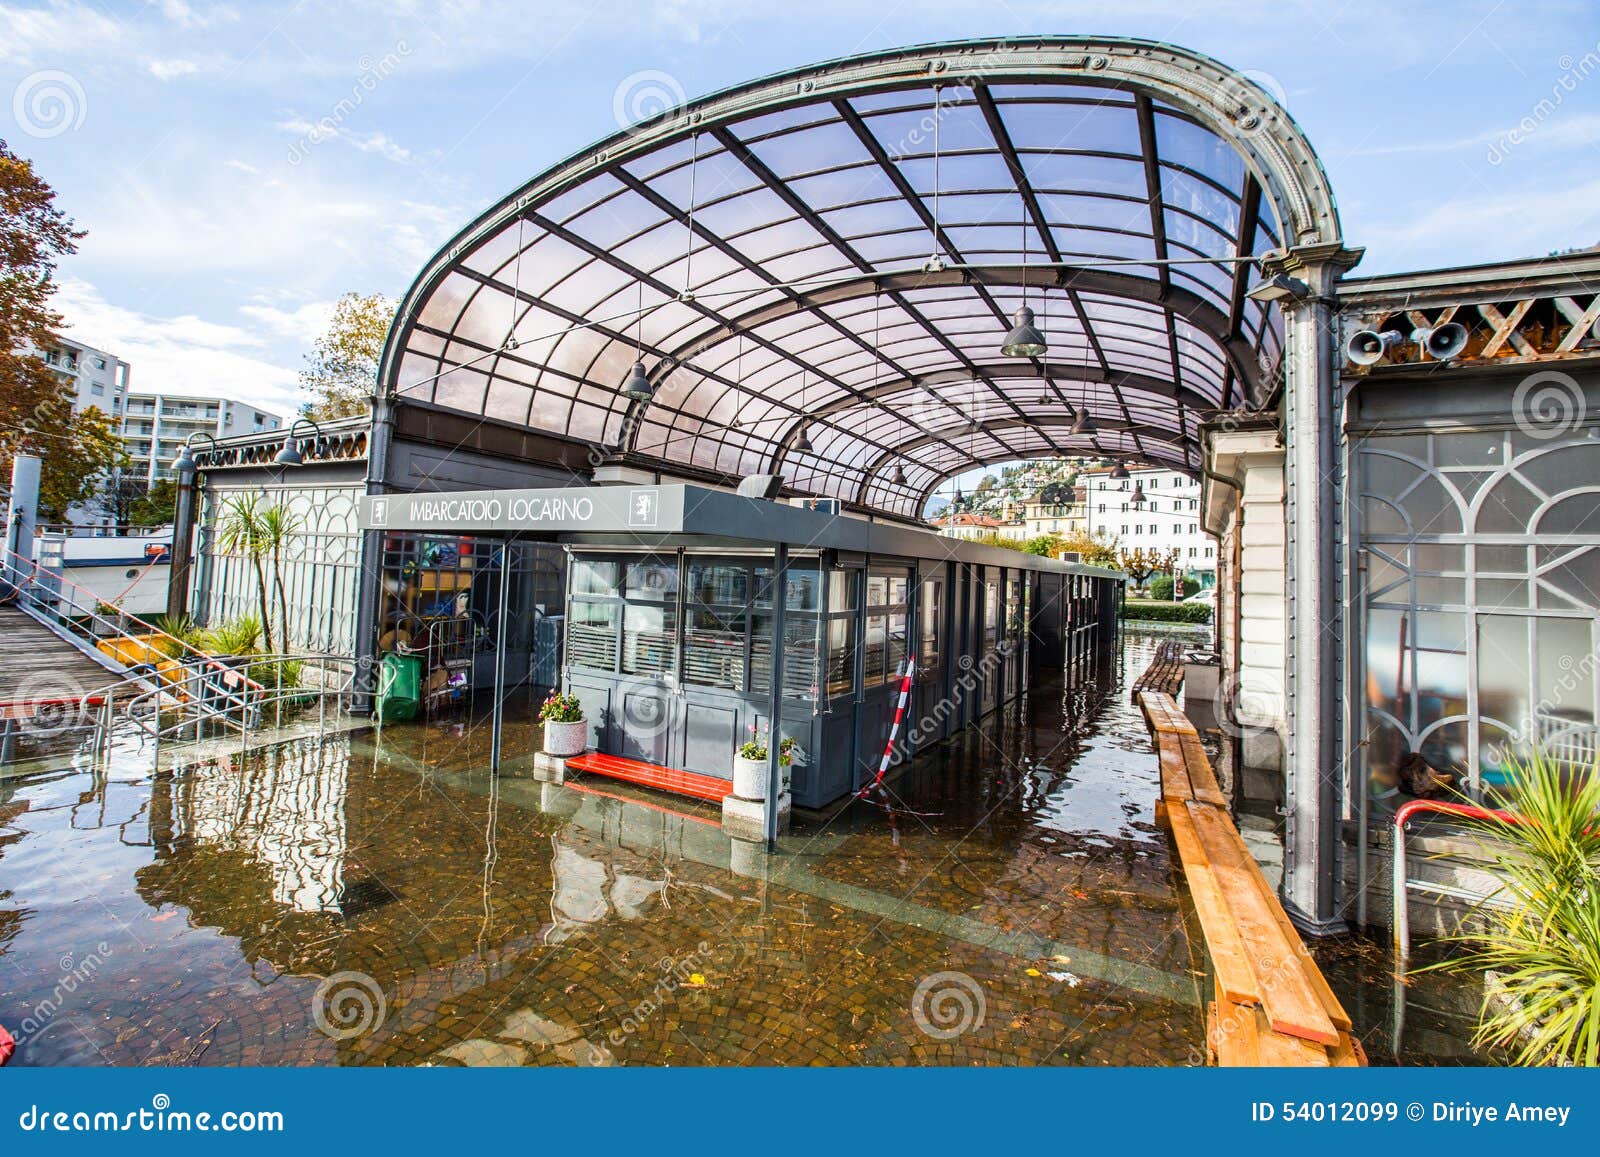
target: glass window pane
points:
(876, 650)
(593, 577)
(1503, 701)
(652, 580)
(841, 656)
(799, 655)
(720, 582)
(592, 636)
(713, 648)
(649, 638)
(930, 654)
(842, 590)
(1565, 690)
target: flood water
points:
(385, 901)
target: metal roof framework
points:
(834, 256)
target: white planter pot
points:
(565, 739)
(750, 778)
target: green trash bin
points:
(399, 687)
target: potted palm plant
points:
(566, 731)
(750, 765)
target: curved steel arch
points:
(1284, 195)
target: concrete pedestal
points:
(549, 768)
(745, 819)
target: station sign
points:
(601, 509)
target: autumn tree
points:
(1138, 564)
(1098, 549)
(342, 368)
(36, 414)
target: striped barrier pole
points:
(894, 731)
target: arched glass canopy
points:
(833, 259)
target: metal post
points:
(182, 538)
(780, 599)
(369, 575)
(23, 517)
(1312, 710)
(497, 714)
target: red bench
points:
(707, 787)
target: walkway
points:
(37, 664)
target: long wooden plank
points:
(1236, 981)
(1233, 1033)
(1308, 963)
(1291, 1005)
(1174, 770)
(1202, 780)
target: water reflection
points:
(505, 921)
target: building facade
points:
(91, 376)
(1167, 518)
(1056, 510)
(155, 427)
(979, 527)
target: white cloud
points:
(172, 69)
(1490, 227)
(183, 354)
(198, 218)
(304, 323)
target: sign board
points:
(596, 509)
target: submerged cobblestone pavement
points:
(351, 902)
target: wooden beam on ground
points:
(1291, 1004)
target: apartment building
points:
(155, 427)
(1165, 517)
(91, 376)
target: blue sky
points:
(221, 227)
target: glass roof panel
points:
(814, 254)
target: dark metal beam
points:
(806, 213)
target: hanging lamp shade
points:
(1083, 423)
(898, 478)
(957, 499)
(637, 385)
(803, 442)
(1138, 494)
(1024, 340)
(1119, 471)
(289, 455)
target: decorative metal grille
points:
(320, 567)
(1480, 554)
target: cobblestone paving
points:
(364, 902)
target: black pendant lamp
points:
(1024, 340)
(1084, 422)
(898, 478)
(637, 385)
(1138, 494)
(803, 442)
(1119, 471)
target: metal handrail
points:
(1402, 881)
(28, 585)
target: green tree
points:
(342, 368)
(36, 414)
(1045, 545)
(155, 507)
(240, 531)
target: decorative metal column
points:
(1315, 619)
(183, 520)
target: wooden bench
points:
(690, 783)
(1165, 672)
(1272, 1005)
